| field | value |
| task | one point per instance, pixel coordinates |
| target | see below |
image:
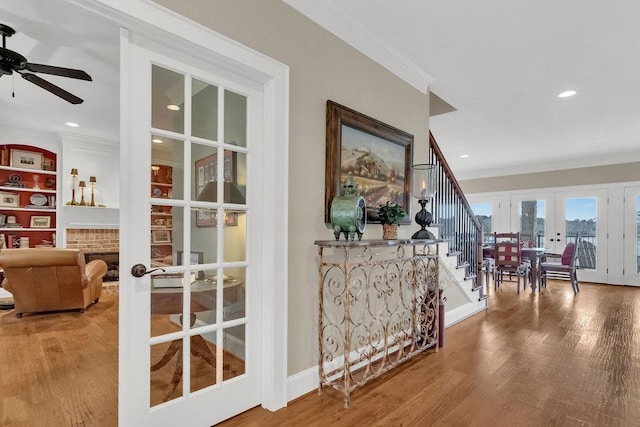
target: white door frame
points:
(630, 275)
(153, 21)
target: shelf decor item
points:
(82, 186)
(74, 175)
(390, 216)
(424, 189)
(92, 180)
(9, 200)
(160, 236)
(348, 211)
(37, 221)
(26, 159)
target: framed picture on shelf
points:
(26, 159)
(40, 221)
(9, 200)
(160, 236)
(48, 164)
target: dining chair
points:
(561, 266)
(509, 264)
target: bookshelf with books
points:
(161, 215)
(28, 190)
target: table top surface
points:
(378, 242)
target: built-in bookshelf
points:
(28, 190)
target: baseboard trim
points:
(307, 381)
(459, 314)
(302, 383)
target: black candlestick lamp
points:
(424, 188)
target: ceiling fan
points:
(11, 61)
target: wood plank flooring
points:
(530, 360)
(60, 369)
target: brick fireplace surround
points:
(97, 244)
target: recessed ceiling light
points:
(464, 156)
(157, 140)
(567, 93)
(72, 125)
(173, 107)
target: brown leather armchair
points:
(51, 279)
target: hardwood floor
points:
(529, 360)
(60, 369)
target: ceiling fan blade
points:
(69, 97)
(58, 71)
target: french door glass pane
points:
(532, 219)
(167, 166)
(484, 212)
(167, 99)
(638, 234)
(581, 215)
(235, 119)
(204, 110)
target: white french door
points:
(534, 214)
(585, 212)
(191, 344)
(554, 219)
(632, 236)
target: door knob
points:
(140, 270)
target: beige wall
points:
(322, 67)
(625, 172)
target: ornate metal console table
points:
(378, 308)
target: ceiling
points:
(53, 32)
(499, 64)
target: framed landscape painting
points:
(378, 155)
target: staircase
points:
(462, 266)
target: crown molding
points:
(334, 20)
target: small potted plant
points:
(390, 215)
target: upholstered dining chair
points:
(509, 265)
(561, 266)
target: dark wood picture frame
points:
(206, 170)
(379, 156)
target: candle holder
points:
(74, 175)
(424, 188)
(92, 180)
(82, 186)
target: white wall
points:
(47, 140)
(322, 67)
(92, 156)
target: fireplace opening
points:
(113, 263)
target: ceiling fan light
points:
(173, 107)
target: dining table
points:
(530, 253)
